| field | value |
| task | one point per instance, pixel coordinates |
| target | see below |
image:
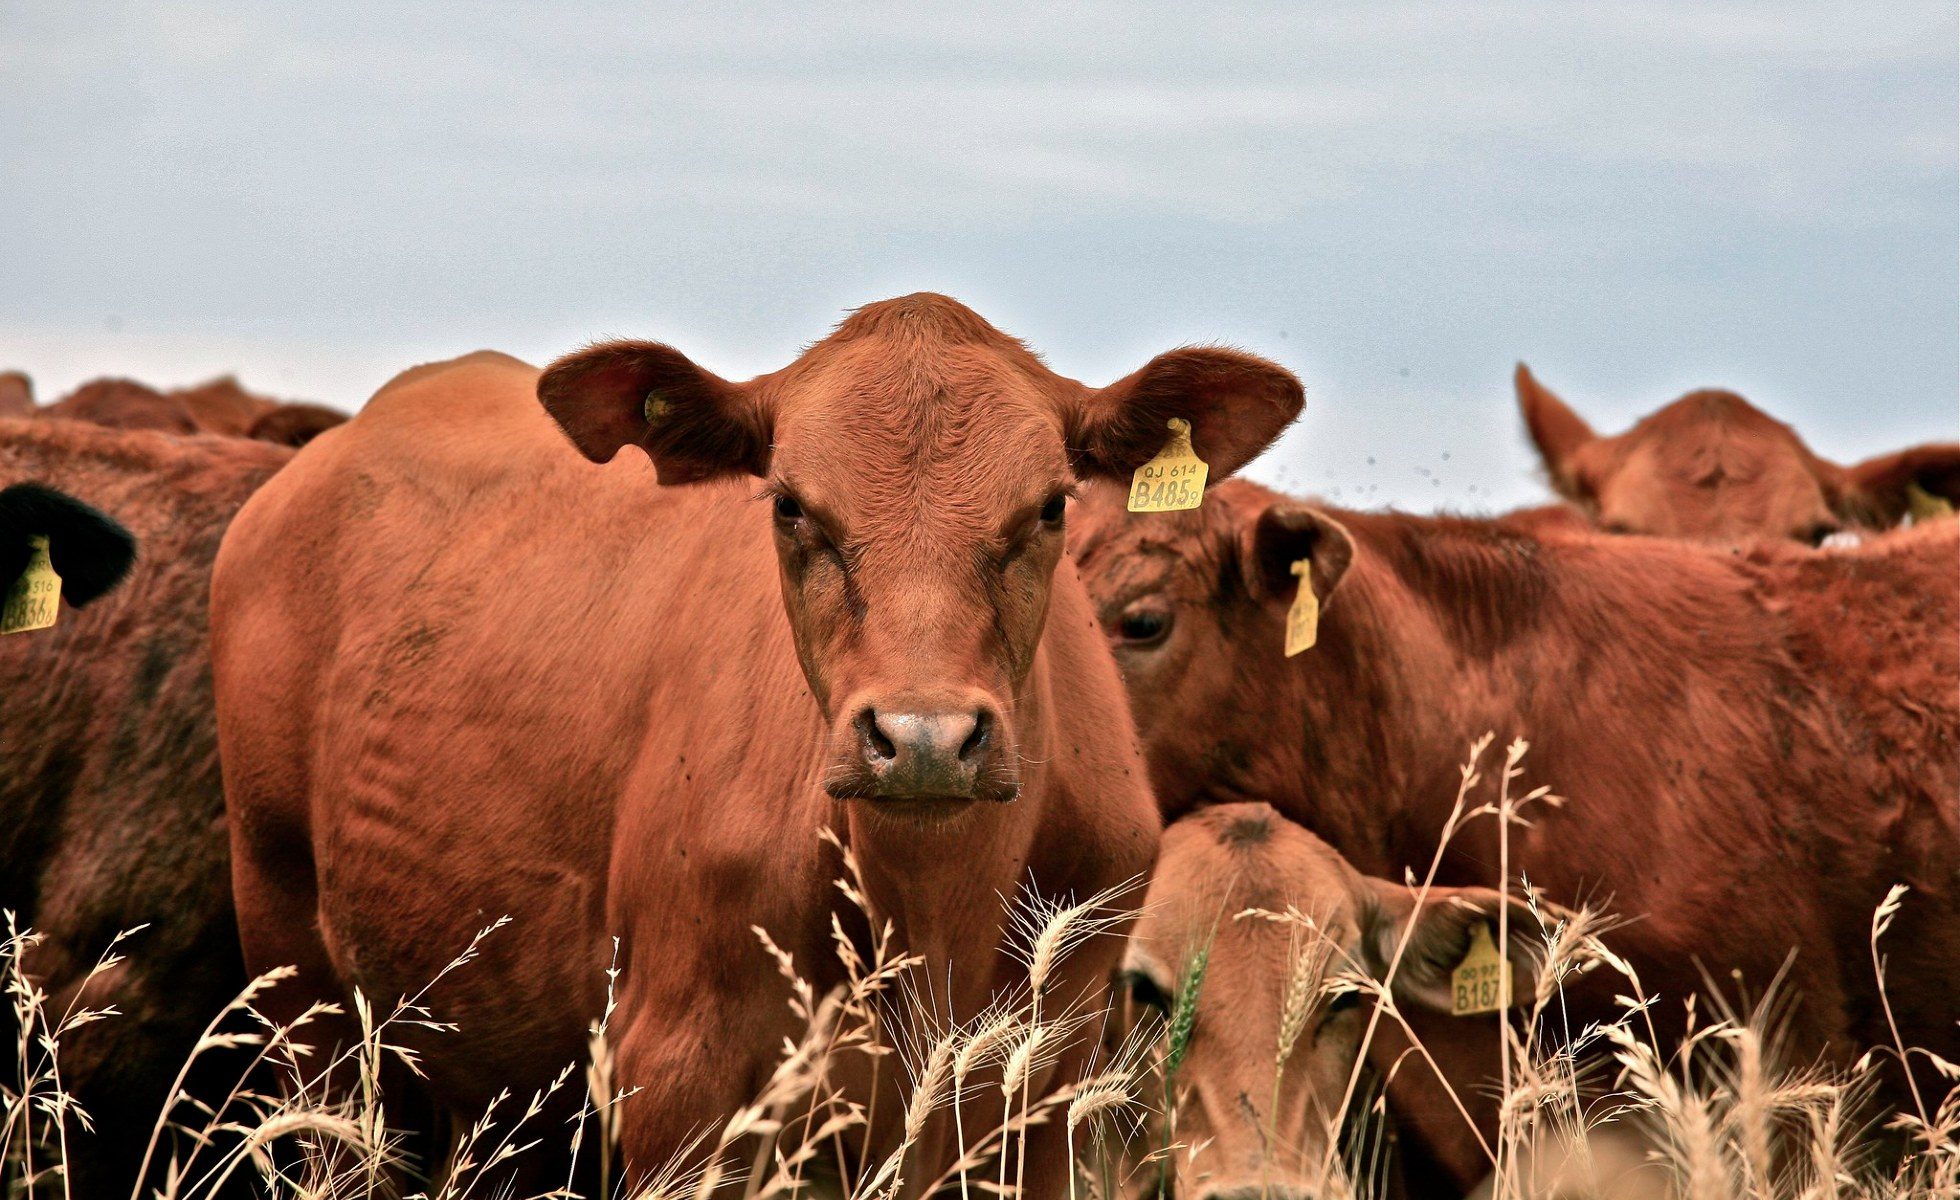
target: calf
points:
(111, 809)
(1713, 467)
(1264, 1080)
(1755, 747)
(464, 673)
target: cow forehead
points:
(1219, 862)
(960, 432)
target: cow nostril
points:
(876, 744)
(976, 742)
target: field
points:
(1601, 1113)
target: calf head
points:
(1263, 1083)
(1194, 606)
(915, 467)
(1713, 467)
(89, 550)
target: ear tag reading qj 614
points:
(1172, 481)
(1303, 619)
(35, 597)
(1925, 506)
(1480, 984)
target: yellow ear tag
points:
(1303, 619)
(35, 597)
(1172, 481)
(1480, 984)
(654, 408)
(1925, 506)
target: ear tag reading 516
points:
(1303, 619)
(1172, 481)
(1925, 506)
(1480, 984)
(35, 597)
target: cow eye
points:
(787, 509)
(1342, 1002)
(1144, 626)
(1051, 512)
(1145, 993)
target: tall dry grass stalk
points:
(1719, 1115)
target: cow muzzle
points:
(910, 748)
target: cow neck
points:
(1426, 641)
(944, 884)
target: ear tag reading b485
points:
(1303, 619)
(1480, 984)
(1172, 481)
(35, 598)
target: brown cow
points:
(464, 673)
(16, 394)
(1713, 467)
(111, 808)
(220, 406)
(1259, 1128)
(1755, 747)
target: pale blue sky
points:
(1399, 201)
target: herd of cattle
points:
(465, 656)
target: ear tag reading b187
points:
(1480, 984)
(1925, 506)
(1174, 480)
(35, 598)
(1303, 619)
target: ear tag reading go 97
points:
(35, 598)
(1303, 619)
(1174, 480)
(1480, 984)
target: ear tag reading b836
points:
(1480, 984)
(35, 597)
(1303, 619)
(1172, 481)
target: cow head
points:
(1260, 1129)
(88, 549)
(915, 466)
(1713, 467)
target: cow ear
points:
(90, 550)
(693, 424)
(1878, 491)
(1285, 533)
(1557, 431)
(1441, 931)
(1236, 404)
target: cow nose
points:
(913, 750)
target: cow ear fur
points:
(1236, 403)
(692, 423)
(1284, 533)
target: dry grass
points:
(1719, 1116)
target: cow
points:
(1755, 746)
(16, 394)
(464, 673)
(1713, 467)
(111, 806)
(219, 406)
(1264, 1079)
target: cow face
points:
(1193, 605)
(915, 468)
(89, 550)
(1262, 1128)
(1713, 467)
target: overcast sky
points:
(1398, 201)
